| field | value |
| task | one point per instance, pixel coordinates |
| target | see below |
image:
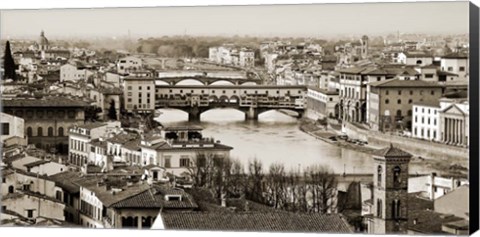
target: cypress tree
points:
(112, 112)
(9, 64)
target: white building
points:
(434, 186)
(79, 139)
(128, 64)
(246, 58)
(457, 64)
(446, 122)
(70, 72)
(425, 121)
(415, 58)
(12, 126)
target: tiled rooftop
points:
(255, 221)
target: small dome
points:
(42, 40)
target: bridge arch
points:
(297, 113)
(161, 83)
(213, 98)
(249, 83)
(234, 99)
(189, 82)
(224, 99)
(222, 83)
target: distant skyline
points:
(313, 20)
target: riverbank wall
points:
(416, 147)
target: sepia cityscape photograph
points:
(310, 118)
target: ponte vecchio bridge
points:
(250, 99)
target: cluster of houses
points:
(229, 54)
(416, 93)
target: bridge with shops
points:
(250, 99)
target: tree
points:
(9, 64)
(323, 184)
(91, 113)
(255, 180)
(112, 112)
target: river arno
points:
(275, 138)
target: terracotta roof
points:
(255, 221)
(428, 221)
(155, 198)
(391, 152)
(456, 56)
(417, 54)
(36, 163)
(43, 102)
(106, 196)
(65, 180)
(92, 125)
(405, 83)
(435, 104)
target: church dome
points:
(42, 41)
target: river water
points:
(274, 138)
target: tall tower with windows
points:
(390, 191)
(364, 42)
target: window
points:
(4, 180)
(379, 208)
(415, 119)
(399, 101)
(5, 128)
(411, 92)
(434, 134)
(450, 69)
(58, 195)
(30, 213)
(387, 101)
(396, 209)
(428, 75)
(10, 189)
(428, 121)
(396, 176)
(462, 69)
(140, 88)
(379, 175)
(410, 101)
(423, 120)
(50, 131)
(399, 113)
(399, 92)
(60, 132)
(167, 162)
(129, 87)
(184, 162)
(386, 92)
(432, 92)
(419, 62)
(409, 113)
(379, 78)
(129, 94)
(40, 131)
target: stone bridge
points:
(206, 80)
(252, 100)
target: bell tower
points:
(365, 45)
(390, 191)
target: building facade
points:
(47, 119)
(139, 94)
(391, 102)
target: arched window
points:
(40, 131)
(387, 101)
(10, 189)
(29, 132)
(399, 113)
(399, 101)
(409, 113)
(396, 209)
(396, 176)
(60, 132)
(50, 131)
(379, 175)
(379, 208)
(419, 62)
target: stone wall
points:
(416, 147)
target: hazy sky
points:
(279, 20)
